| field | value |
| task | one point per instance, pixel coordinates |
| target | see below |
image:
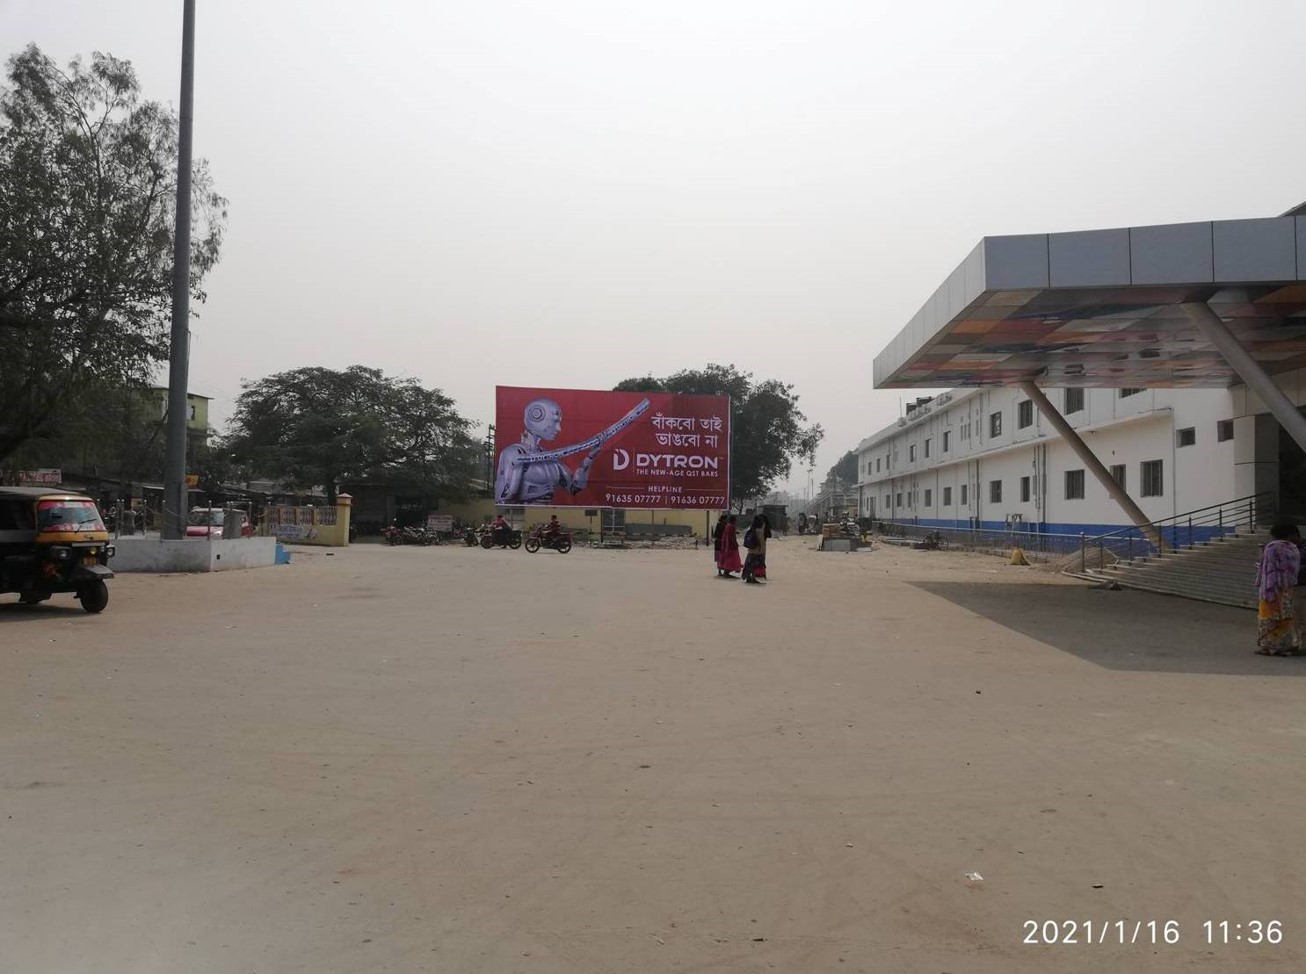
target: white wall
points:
(1129, 430)
(192, 555)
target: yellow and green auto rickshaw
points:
(53, 541)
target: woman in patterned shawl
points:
(1275, 577)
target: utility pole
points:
(174, 470)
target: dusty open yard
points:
(464, 761)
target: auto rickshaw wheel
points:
(94, 596)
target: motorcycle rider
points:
(553, 528)
(500, 528)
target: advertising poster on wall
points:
(588, 448)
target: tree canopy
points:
(767, 429)
(319, 427)
(87, 209)
(845, 470)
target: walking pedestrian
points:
(728, 563)
(760, 570)
(755, 543)
(1276, 577)
(717, 532)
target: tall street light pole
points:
(174, 471)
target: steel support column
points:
(1103, 475)
(1249, 370)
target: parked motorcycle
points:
(395, 535)
(471, 537)
(560, 542)
(510, 538)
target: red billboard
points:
(589, 448)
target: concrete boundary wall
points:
(193, 555)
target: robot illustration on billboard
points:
(529, 474)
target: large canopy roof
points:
(1102, 308)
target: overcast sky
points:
(569, 193)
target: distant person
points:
(760, 572)
(755, 543)
(728, 558)
(717, 532)
(1277, 574)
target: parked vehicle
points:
(540, 538)
(395, 535)
(503, 538)
(471, 537)
(53, 542)
(209, 523)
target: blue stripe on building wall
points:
(1176, 535)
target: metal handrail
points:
(1224, 518)
(1211, 511)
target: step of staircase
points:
(1221, 571)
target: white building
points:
(986, 458)
(1176, 355)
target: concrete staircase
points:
(1215, 571)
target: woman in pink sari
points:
(1275, 577)
(728, 559)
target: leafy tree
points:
(845, 470)
(318, 427)
(767, 430)
(87, 208)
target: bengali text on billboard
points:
(611, 449)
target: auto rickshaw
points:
(53, 541)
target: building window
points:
(1153, 485)
(995, 491)
(995, 424)
(886, 501)
(1126, 393)
(192, 412)
(963, 494)
(1074, 485)
(947, 496)
(911, 453)
(898, 499)
(927, 452)
(1074, 401)
(929, 497)
(947, 435)
(1224, 430)
(1186, 437)
(877, 464)
(1025, 414)
(1118, 475)
(1024, 490)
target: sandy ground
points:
(464, 761)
